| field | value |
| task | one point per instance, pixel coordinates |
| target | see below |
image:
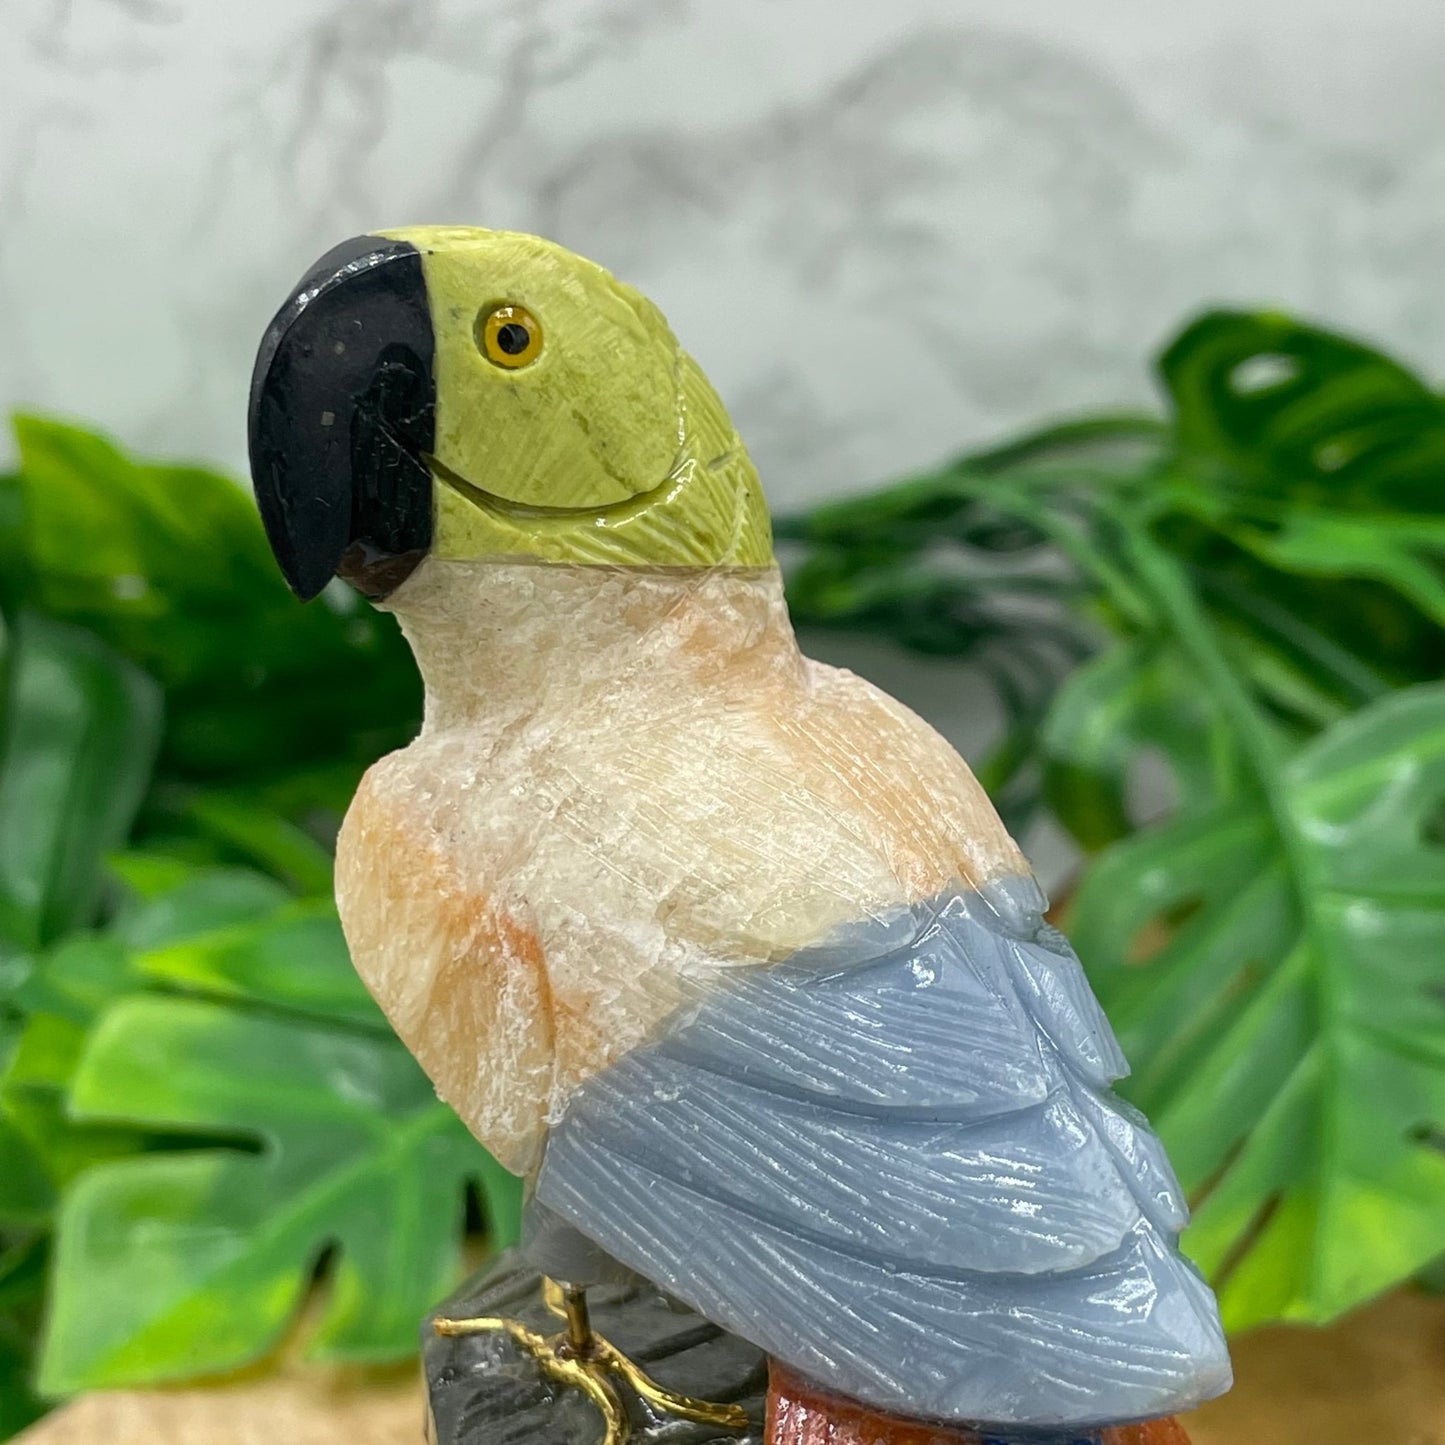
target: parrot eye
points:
(509, 335)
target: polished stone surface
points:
(485, 1390)
(894, 1162)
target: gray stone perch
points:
(486, 1389)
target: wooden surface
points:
(1376, 1378)
(1379, 1376)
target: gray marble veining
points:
(886, 231)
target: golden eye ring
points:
(509, 335)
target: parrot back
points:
(893, 1162)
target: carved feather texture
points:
(745, 935)
(900, 1175)
(625, 780)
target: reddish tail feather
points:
(802, 1414)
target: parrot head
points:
(466, 394)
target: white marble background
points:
(1023, 197)
(887, 228)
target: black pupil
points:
(513, 338)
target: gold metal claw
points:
(582, 1359)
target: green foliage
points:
(1296, 482)
(201, 1109)
(22, 1296)
(193, 1261)
(81, 728)
(170, 568)
(1289, 1029)
(202, 1113)
(1260, 582)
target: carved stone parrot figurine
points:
(723, 950)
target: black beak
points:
(343, 412)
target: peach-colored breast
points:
(464, 984)
(579, 835)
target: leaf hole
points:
(1432, 1136)
(324, 1263)
(1432, 825)
(182, 1142)
(477, 1225)
(1266, 372)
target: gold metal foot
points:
(582, 1359)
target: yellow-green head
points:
(463, 393)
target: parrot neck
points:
(500, 642)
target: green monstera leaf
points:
(195, 1261)
(294, 957)
(1273, 958)
(300, 1132)
(1294, 411)
(1305, 488)
(81, 728)
(80, 731)
(169, 565)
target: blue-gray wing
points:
(893, 1163)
